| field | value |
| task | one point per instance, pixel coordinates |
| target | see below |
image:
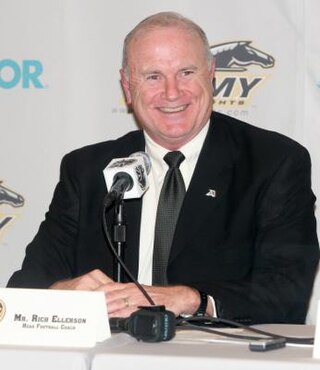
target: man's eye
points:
(187, 72)
(152, 77)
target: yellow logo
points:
(2, 309)
(240, 71)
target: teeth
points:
(173, 109)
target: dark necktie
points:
(170, 201)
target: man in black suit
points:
(246, 233)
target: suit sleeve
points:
(286, 252)
(50, 256)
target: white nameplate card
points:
(48, 317)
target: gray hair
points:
(165, 19)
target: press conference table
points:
(35, 358)
(187, 351)
(196, 351)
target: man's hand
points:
(125, 298)
(90, 281)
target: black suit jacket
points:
(253, 247)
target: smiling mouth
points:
(181, 108)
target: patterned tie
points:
(170, 201)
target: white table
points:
(24, 358)
(189, 351)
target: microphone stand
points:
(119, 237)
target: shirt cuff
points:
(214, 313)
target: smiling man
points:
(168, 83)
(240, 243)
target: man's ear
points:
(212, 68)
(125, 86)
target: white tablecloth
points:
(187, 351)
(18, 358)
(196, 351)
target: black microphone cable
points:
(149, 324)
(128, 272)
(206, 324)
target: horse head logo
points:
(141, 176)
(8, 196)
(122, 162)
(237, 55)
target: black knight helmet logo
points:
(123, 162)
(141, 176)
(10, 198)
(237, 55)
(234, 84)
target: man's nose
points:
(172, 89)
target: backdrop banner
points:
(60, 89)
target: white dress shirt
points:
(150, 199)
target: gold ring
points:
(126, 301)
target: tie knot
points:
(174, 159)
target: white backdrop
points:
(59, 88)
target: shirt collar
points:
(190, 150)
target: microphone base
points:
(148, 324)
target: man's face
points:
(169, 85)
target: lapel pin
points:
(211, 193)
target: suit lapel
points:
(207, 187)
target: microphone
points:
(126, 178)
(149, 324)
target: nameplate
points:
(48, 317)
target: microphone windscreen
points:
(146, 159)
(135, 167)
